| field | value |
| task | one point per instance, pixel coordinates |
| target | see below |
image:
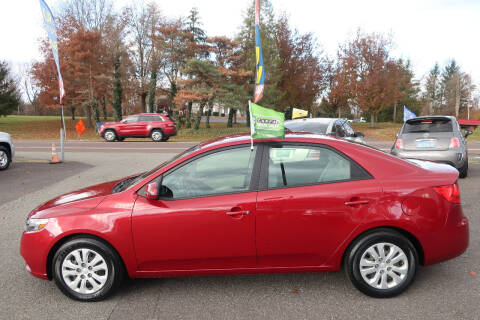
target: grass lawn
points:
(48, 127)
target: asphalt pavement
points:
(450, 290)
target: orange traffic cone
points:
(54, 155)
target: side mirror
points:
(151, 191)
(468, 132)
(359, 134)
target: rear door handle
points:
(356, 202)
(237, 213)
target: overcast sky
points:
(424, 31)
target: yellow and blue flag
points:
(260, 68)
(49, 24)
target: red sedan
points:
(307, 203)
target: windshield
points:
(129, 182)
(428, 125)
(314, 127)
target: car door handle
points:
(237, 213)
(356, 202)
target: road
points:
(444, 291)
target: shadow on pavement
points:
(25, 177)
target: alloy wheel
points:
(84, 271)
(384, 266)
(3, 159)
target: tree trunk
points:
(143, 101)
(117, 92)
(198, 118)
(171, 94)
(188, 121)
(104, 108)
(230, 118)
(339, 112)
(248, 118)
(72, 110)
(457, 96)
(96, 112)
(89, 116)
(372, 120)
(207, 123)
(394, 112)
(151, 95)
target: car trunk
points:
(427, 141)
(427, 134)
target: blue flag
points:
(407, 114)
(49, 24)
(260, 68)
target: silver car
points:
(7, 150)
(332, 126)
(434, 138)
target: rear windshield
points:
(314, 127)
(428, 125)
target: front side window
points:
(304, 165)
(226, 171)
(131, 119)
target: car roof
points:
(245, 138)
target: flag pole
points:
(252, 128)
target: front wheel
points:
(381, 264)
(86, 269)
(110, 135)
(5, 158)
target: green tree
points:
(433, 90)
(9, 95)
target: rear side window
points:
(428, 125)
(304, 165)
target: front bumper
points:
(455, 158)
(34, 248)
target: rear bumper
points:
(455, 158)
(450, 242)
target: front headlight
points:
(35, 224)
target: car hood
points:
(84, 199)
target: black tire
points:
(114, 275)
(120, 139)
(156, 135)
(110, 135)
(165, 138)
(358, 248)
(463, 171)
(5, 153)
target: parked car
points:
(331, 126)
(361, 120)
(434, 138)
(7, 150)
(306, 203)
(159, 127)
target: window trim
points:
(254, 179)
(263, 185)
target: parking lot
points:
(449, 290)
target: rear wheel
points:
(464, 170)
(110, 135)
(86, 269)
(5, 158)
(381, 264)
(156, 135)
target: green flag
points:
(266, 123)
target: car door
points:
(125, 128)
(205, 218)
(311, 198)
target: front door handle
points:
(356, 202)
(237, 213)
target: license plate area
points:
(425, 143)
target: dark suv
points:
(159, 127)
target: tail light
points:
(399, 144)
(454, 143)
(451, 192)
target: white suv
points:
(7, 150)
